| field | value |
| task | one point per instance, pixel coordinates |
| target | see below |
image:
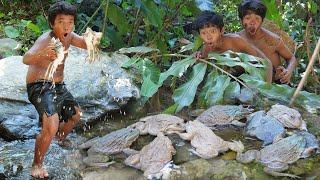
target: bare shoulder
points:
(270, 36)
(241, 33)
(234, 38)
(42, 41)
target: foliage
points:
(160, 25)
(218, 86)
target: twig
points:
(306, 73)
(97, 10)
(135, 26)
(105, 17)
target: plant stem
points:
(105, 17)
(97, 10)
(306, 73)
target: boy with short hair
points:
(252, 14)
(58, 110)
(211, 31)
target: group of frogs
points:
(278, 150)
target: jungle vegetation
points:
(154, 33)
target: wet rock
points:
(210, 169)
(99, 87)
(18, 121)
(17, 156)
(113, 173)
(8, 47)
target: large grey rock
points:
(8, 47)
(99, 87)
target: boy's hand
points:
(198, 55)
(283, 74)
(49, 52)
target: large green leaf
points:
(118, 18)
(210, 81)
(152, 13)
(148, 87)
(184, 95)
(131, 62)
(282, 92)
(214, 95)
(177, 69)
(252, 65)
(11, 32)
(231, 92)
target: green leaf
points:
(184, 95)
(171, 109)
(210, 81)
(152, 12)
(312, 6)
(33, 27)
(118, 18)
(215, 94)
(1, 15)
(177, 69)
(150, 73)
(11, 32)
(250, 64)
(130, 62)
(42, 23)
(281, 92)
(187, 47)
(197, 43)
(231, 92)
(138, 49)
(273, 12)
(148, 87)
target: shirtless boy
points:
(210, 27)
(252, 13)
(58, 111)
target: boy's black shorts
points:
(50, 99)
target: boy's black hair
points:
(61, 7)
(255, 6)
(207, 19)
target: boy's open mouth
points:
(252, 30)
(65, 34)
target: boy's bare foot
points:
(39, 172)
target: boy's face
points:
(210, 35)
(251, 23)
(63, 26)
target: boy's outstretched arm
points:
(78, 41)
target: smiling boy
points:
(58, 111)
(252, 13)
(211, 31)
